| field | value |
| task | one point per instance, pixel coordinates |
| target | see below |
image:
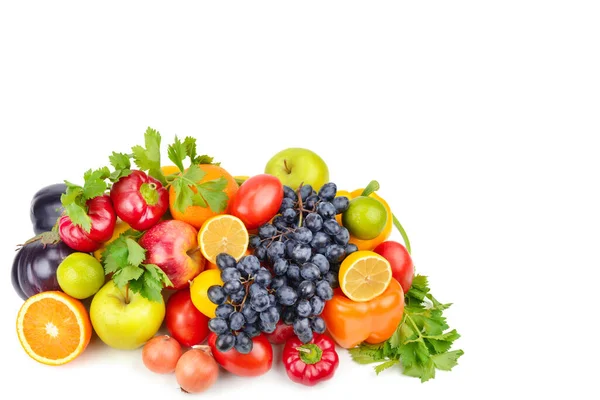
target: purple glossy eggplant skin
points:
(46, 207)
(34, 268)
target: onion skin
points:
(161, 354)
(196, 371)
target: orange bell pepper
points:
(350, 323)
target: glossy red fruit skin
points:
(130, 204)
(403, 269)
(103, 218)
(258, 362)
(184, 322)
(281, 333)
(257, 200)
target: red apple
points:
(172, 245)
(400, 261)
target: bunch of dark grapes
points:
(246, 305)
(303, 247)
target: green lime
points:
(80, 275)
(365, 217)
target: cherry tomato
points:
(402, 265)
(184, 322)
(281, 333)
(257, 200)
(259, 361)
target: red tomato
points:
(185, 323)
(281, 333)
(257, 200)
(255, 363)
(402, 265)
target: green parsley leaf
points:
(136, 253)
(184, 194)
(95, 182)
(212, 193)
(177, 152)
(149, 157)
(190, 148)
(383, 366)
(126, 274)
(158, 274)
(121, 164)
(124, 258)
(79, 216)
(421, 343)
(447, 361)
(204, 159)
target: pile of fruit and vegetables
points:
(230, 266)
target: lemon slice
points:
(364, 275)
(223, 234)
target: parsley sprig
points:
(124, 258)
(421, 343)
(75, 198)
(188, 190)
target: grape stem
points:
(300, 205)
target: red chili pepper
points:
(139, 200)
(103, 218)
(312, 362)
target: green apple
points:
(295, 165)
(122, 322)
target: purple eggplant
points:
(34, 267)
(46, 207)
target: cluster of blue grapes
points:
(303, 248)
(246, 306)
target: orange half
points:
(223, 234)
(53, 328)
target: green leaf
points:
(193, 175)
(396, 339)
(362, 357)
(183, 195)
(212, 193)
(119, 161)
(442, 343)
(126, 274)
(136, 253)
(121, 164)
(159, 274)
(71, 195)
(95, 182)
(177, 152)
(382, 367)
(447, 361)
(190, 148)
(148, 158)
(79, 216)
(204, 159)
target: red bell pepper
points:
(103, 219)
(139, 200)
(310, 363)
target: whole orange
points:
(196, 215)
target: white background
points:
(478, 119)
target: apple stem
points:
(287, 169)
(127, 293)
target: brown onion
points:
(196, 370)
(161, 353)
